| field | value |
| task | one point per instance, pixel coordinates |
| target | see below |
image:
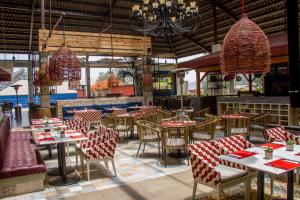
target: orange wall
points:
(125, 90)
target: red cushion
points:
(21, 157)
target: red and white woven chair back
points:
(280, 134)
(105, 144)
(149, 110)
(119, 111)
(204, 159)
(233, 143)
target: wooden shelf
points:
(280, 112)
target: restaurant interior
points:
(201, 99)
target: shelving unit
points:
(280, 112)
(216, 85)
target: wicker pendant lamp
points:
(74, 85)
(64, 64)
(42, 77)
(112, 80)
(246, 48)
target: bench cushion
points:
(21, 156)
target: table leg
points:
(260, 185)
(63, 178)
(290, 185)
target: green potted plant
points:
(290, 145)
(268, 153)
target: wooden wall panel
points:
(96, 43)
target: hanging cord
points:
(111, 39)
(243, 8)
(64, 27)
(50, 17)
(3, 30)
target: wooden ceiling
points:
(93, 16)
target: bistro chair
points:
(174, 139)
(260, 123)
(200, 114)
(148, 132)
(204, 159)
(237, 126)
(108, 120)
(101, 146)
(7, 108)
(163, 114)
(122, 124)
(280, 134)
(205, 131)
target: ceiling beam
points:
(222, 7)
(215, 24)
(195, 42)
(172, 45)
(107, 14)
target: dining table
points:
(282, 162)
(46, 121)
(43, 137)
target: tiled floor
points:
(130, 170)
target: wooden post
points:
(43, 14)
(198, 84)
(294, 58)
(88, 78)
(30, 56)
(250, 80)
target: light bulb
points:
(155, 4)
(162, 1)
(193, 4)
(169, 3)
(180, 2)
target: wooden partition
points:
(95, 43)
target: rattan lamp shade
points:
(245, 49)
(42, 77)
(64, 65)
(74, 85)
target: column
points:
(294, 64)
(30, 77)
(198, 83)
(88, 78)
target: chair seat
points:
(83, 150)
(229, 173)
(257, 127)
(199, 119)
(202, 135)
(175, 142)
(239, 130)
(150, 137)
(122, 128)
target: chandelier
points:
(165, 17)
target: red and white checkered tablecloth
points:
(88, 115)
